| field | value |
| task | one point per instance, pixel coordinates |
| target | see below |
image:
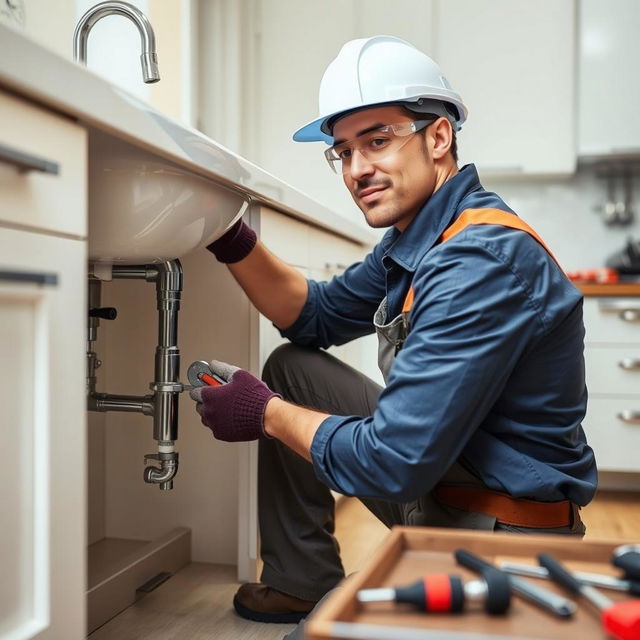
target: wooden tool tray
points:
(409, 553)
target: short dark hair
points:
(454, 142)
(454, 146)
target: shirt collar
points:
(408, 247)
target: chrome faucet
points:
(148, 56)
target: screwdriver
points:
(593, 579)
(551, 602)
(442, 593)
(620, 619)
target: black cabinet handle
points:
(27, 162)
(31, 277)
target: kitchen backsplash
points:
(567, 213)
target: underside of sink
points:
(143, 209)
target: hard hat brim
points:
(312, 131)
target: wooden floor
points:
(196, 602)
(612, 515)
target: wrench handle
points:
(210, 380)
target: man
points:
(481, 346)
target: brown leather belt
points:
(519, 512)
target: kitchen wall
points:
(114, 46)
(567, 213)
(49, 23)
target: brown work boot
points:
(256, 601)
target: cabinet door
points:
(512, 61)
(24, 428)
(42, 425)
(608, 78)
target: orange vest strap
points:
(491, 216)
(481, 216)
(408, 301)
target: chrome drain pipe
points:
(166, 387)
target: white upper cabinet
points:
(513, 63)
(609, 80)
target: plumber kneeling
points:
(480, 338)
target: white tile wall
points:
(563, 212)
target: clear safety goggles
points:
(374, 145)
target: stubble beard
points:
(380, 215)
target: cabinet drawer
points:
(613, 369)
(43, 168)
(612, 320)
(616, 443)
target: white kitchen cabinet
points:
(42, 537)
(42, 335)
(319, 255)
(612, 357)
(513, 63)
(608, 79)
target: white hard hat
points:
(381, 70)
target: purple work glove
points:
(233, 411)
(235, 244)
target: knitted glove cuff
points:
(249, 405)
(235, 244)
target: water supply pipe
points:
(166, 386)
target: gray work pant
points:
(296, 511)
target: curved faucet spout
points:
(148, 56)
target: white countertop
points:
(30, 70)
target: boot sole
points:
(259, 616)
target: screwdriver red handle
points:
(435, 593)
(622, 620)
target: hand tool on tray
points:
(627, 558)
(442, 593)
(594, 579)
(549, 601)
(199, 374)
(620, 619)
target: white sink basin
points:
(143, 209)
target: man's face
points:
(392, 190)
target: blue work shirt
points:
(491, 372)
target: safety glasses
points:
(374, 145)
